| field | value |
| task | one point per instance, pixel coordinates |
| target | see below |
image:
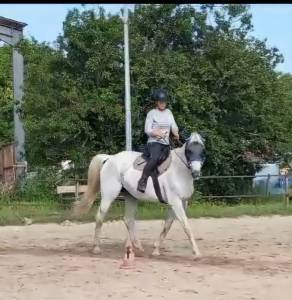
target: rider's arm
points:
(173, 125)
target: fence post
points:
(286, 191)
(76, 187)
(267, 185)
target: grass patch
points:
(13, 213)
(228, 211)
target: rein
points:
(172, 148)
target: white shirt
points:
(157, 119)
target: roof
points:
(11, 23)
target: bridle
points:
(171, 144)
(187, 163)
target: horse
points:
(110, 174)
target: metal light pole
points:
(127, 83)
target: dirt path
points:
(244, 258)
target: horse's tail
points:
(83, 206)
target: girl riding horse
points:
(159, 122)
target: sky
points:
(45, 21)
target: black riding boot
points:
(155, 151)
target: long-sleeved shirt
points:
(157, 119)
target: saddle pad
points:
(140, 163)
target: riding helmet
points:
(159, 95)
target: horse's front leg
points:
(178, 208)
(166, 227)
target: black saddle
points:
(146, 154)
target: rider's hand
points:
(176, 136)
(158, 133)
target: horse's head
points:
(195, 153)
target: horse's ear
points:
(185, 135)
(203, 134)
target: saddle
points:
(141, 161)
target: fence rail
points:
(244, 176)
(286, 190)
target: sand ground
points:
(243, 258)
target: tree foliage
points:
(6, 96)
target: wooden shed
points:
(8, 165)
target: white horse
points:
(111, 173)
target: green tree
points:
(6, 96)
(78, 91)
(285, 124)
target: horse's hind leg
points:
(166, 227)
(109, 192)
(131, 205)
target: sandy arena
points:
(244, 258)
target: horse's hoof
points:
(96, 250)
(197, 256)
(139, 249)
(139, 252)
(156, 252)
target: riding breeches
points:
(157, 153)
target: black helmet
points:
(159, 95)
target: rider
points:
(159, 123)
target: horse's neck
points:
(180, 166)
(179, 155)
(181, 151)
